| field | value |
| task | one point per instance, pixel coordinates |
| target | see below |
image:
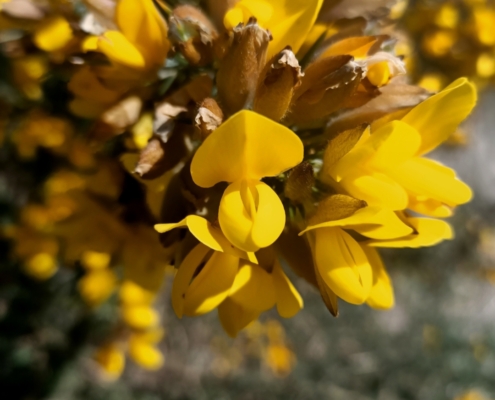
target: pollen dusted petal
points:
(253, 289)
(246, 146)
(438, 117)
(429, 233)
(382, 293)
(212, 285)
(184, 275)
(342, 264)
(289, 301)
(120, 50)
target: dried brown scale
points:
(209, 117)
(278, 80)
(299, 183)
(239, 70)
(337, 206)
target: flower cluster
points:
(451, 39)
(253, 135)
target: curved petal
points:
(53, 34)
(429, 207)
(430, 180)
(376, 189)
(234, 318)
(382, 293)
(429, 233)
(253, 289)
(251, 215)
(184, 276)
(212, 285)
(374, 222)
(342, 264)
(390, 145)
(437, 117)
(246, 146)
(289, 301)
(206, 233)
(142, 25)
(119, 50)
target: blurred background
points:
(437, 343)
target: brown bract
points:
(193, 34)
(299, 184)
(278, 80)
(334, 207)
(209, 117)
(327, 84)
(240, 68)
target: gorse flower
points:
(254, 137)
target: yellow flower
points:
(289, 21)
(226, 279)
(143, 350)
(53, 34)
(140, 316)
(41, 266)
(111, 359)
(244, 149)
(348, 269)
(386, 168)
(97, 286)
(255, 290)
(141, 42)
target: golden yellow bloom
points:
(241, 152)
(97, 286)
(143, 350)
(111, 359)
(53, 34)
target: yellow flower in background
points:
(53, 34)
(280, 17)
(97, 286)
(244, 149)
(386, 168)
(143, 349)
(111, 359)
(141, 42)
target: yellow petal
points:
(145, 354)
(90, 43)
(118, 49)
(374, 222)
(212, 285)
(291, 22)
(140, 317)
(251, 215)
(390, 145)
(342, 265)
(234, 318)
(354, 46)
(376, 189)
(253, 289)
(246, 146)
(429, 233)
(53, 34)
(184, 276)
(205, 232)
(382, 293)
(429, 207)
(429, 179)
(438, 117)
(142, 25)
(289, 301)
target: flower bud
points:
(240, 68)
(275, 89)
(209, 117)
(194, 34)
